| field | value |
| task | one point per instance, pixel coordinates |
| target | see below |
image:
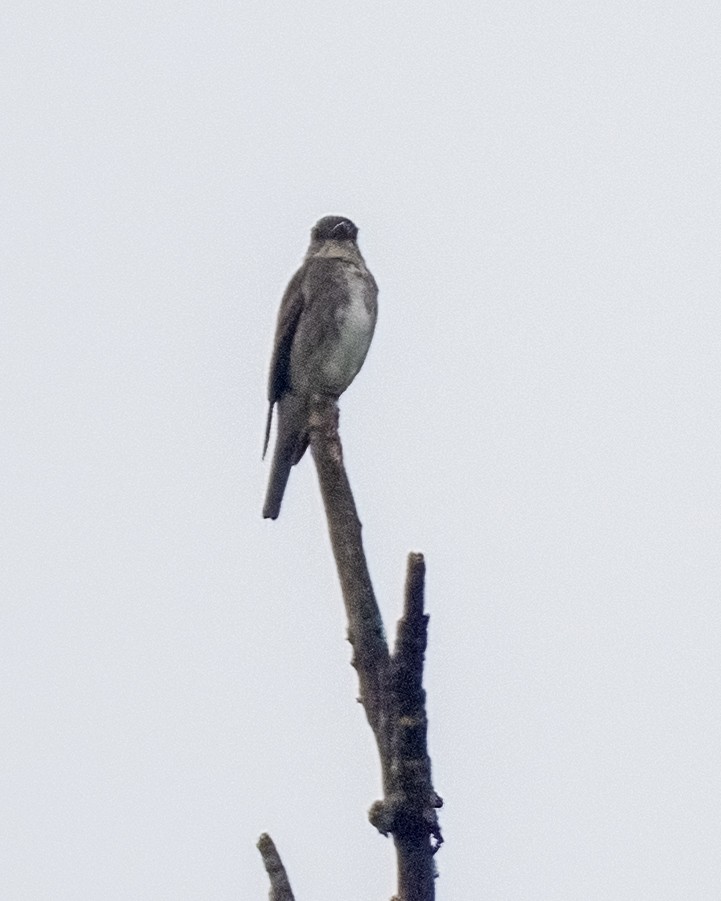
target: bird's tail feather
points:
(267, 429)
(279, 474)
(290, 443)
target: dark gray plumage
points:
(325, 325)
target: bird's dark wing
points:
(291, 307)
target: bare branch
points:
(365, 626)
(280, 889)
(391, 688)
(421, 836)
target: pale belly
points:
(355, 330)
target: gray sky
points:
(537, 188)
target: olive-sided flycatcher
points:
(325, 325)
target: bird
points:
(325, 325)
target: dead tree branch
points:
(390, 685)
(280, 889)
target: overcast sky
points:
(537, 190)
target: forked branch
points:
(391, 685)
(391, 688)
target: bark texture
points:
(279, 886)
(391, 685)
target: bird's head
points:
(334, 228)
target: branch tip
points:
(415, 585)
(280, 889)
